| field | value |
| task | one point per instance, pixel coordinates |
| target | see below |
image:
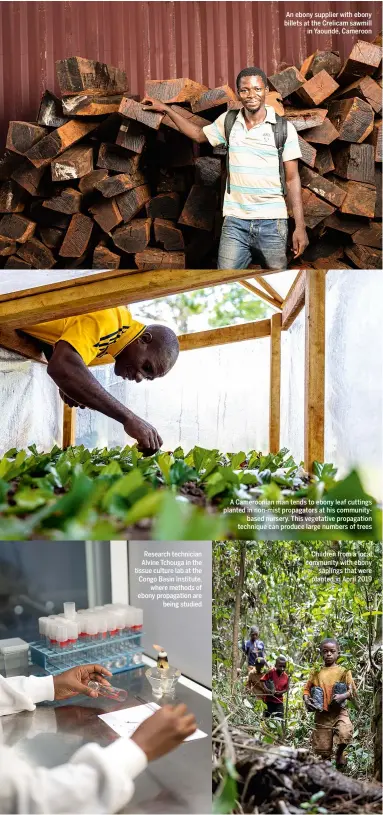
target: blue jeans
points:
(259, 241)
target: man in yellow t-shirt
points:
(140, 352)
(333, 726)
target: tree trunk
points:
(237, 611)
(377, 711)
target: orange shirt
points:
(325, 679)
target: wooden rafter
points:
(294, 300)
(269, 289)
(261, 294)
(222, 336)
(31, 306)
(69, 426)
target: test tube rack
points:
(122, 654)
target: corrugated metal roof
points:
(206, 41)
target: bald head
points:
(150, 356)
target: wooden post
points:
(315, 297)
(275, 384)
(69, 426)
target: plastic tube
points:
(117, 694)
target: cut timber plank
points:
(167, 205)
(364, 59)
(269, 289)
(11, 197)
(287, 81)
(117, 184)
(157, 259)
(103, 258)
(106, 213)
(36, 254)
(370, 235)
(113, 157)
(330, 61)
(166, 232)
(353, 118)
(342, 223)
(51, 111)
(28, 176)
(55, 143)
(91, 105)
(88, 182)
(67, 200)
(208, 170)
(17, 228)
(69, 427)
(73, 163)
(199, 209)
(322, 186)
(305, 119)
(365, 88)
(10, 162)
(135, 111)
(323, 160)
(275, 384)
(14, 262)
(187, 114)
(376, 140)
(294, 300)
(325, 133)
(379, 192)
(130, 203)
(308, 152)
(77, 75)
(131, 136)
(356, 162)
(77, 236)
(213, 98)
(317, 89)
(364, 257)
(7, 246)
(314, 208)
(94, 291)
(134, 236)
(51, 236)
(23, 135)
(222, 336)
(315, 299)
(360, 199)
(174, 90)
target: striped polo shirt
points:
(255, 184)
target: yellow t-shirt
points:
(92, 335)
(326, 678)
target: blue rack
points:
(128, 657)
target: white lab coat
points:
(95, 780)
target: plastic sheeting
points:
(214, 397)
(29, 404)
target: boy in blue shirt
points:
(253, 647)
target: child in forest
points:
(254, 684)
(253, 647)
(275, 683)
(333, 727)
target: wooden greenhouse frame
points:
(46, 296)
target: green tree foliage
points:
(295, 606)
(227, 305)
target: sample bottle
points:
(162, 661)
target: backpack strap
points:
(228, 126)
(280, 136)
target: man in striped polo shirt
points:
(255, 215)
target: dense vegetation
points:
(97, 494)
(275, 585)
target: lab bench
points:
(177, 783)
